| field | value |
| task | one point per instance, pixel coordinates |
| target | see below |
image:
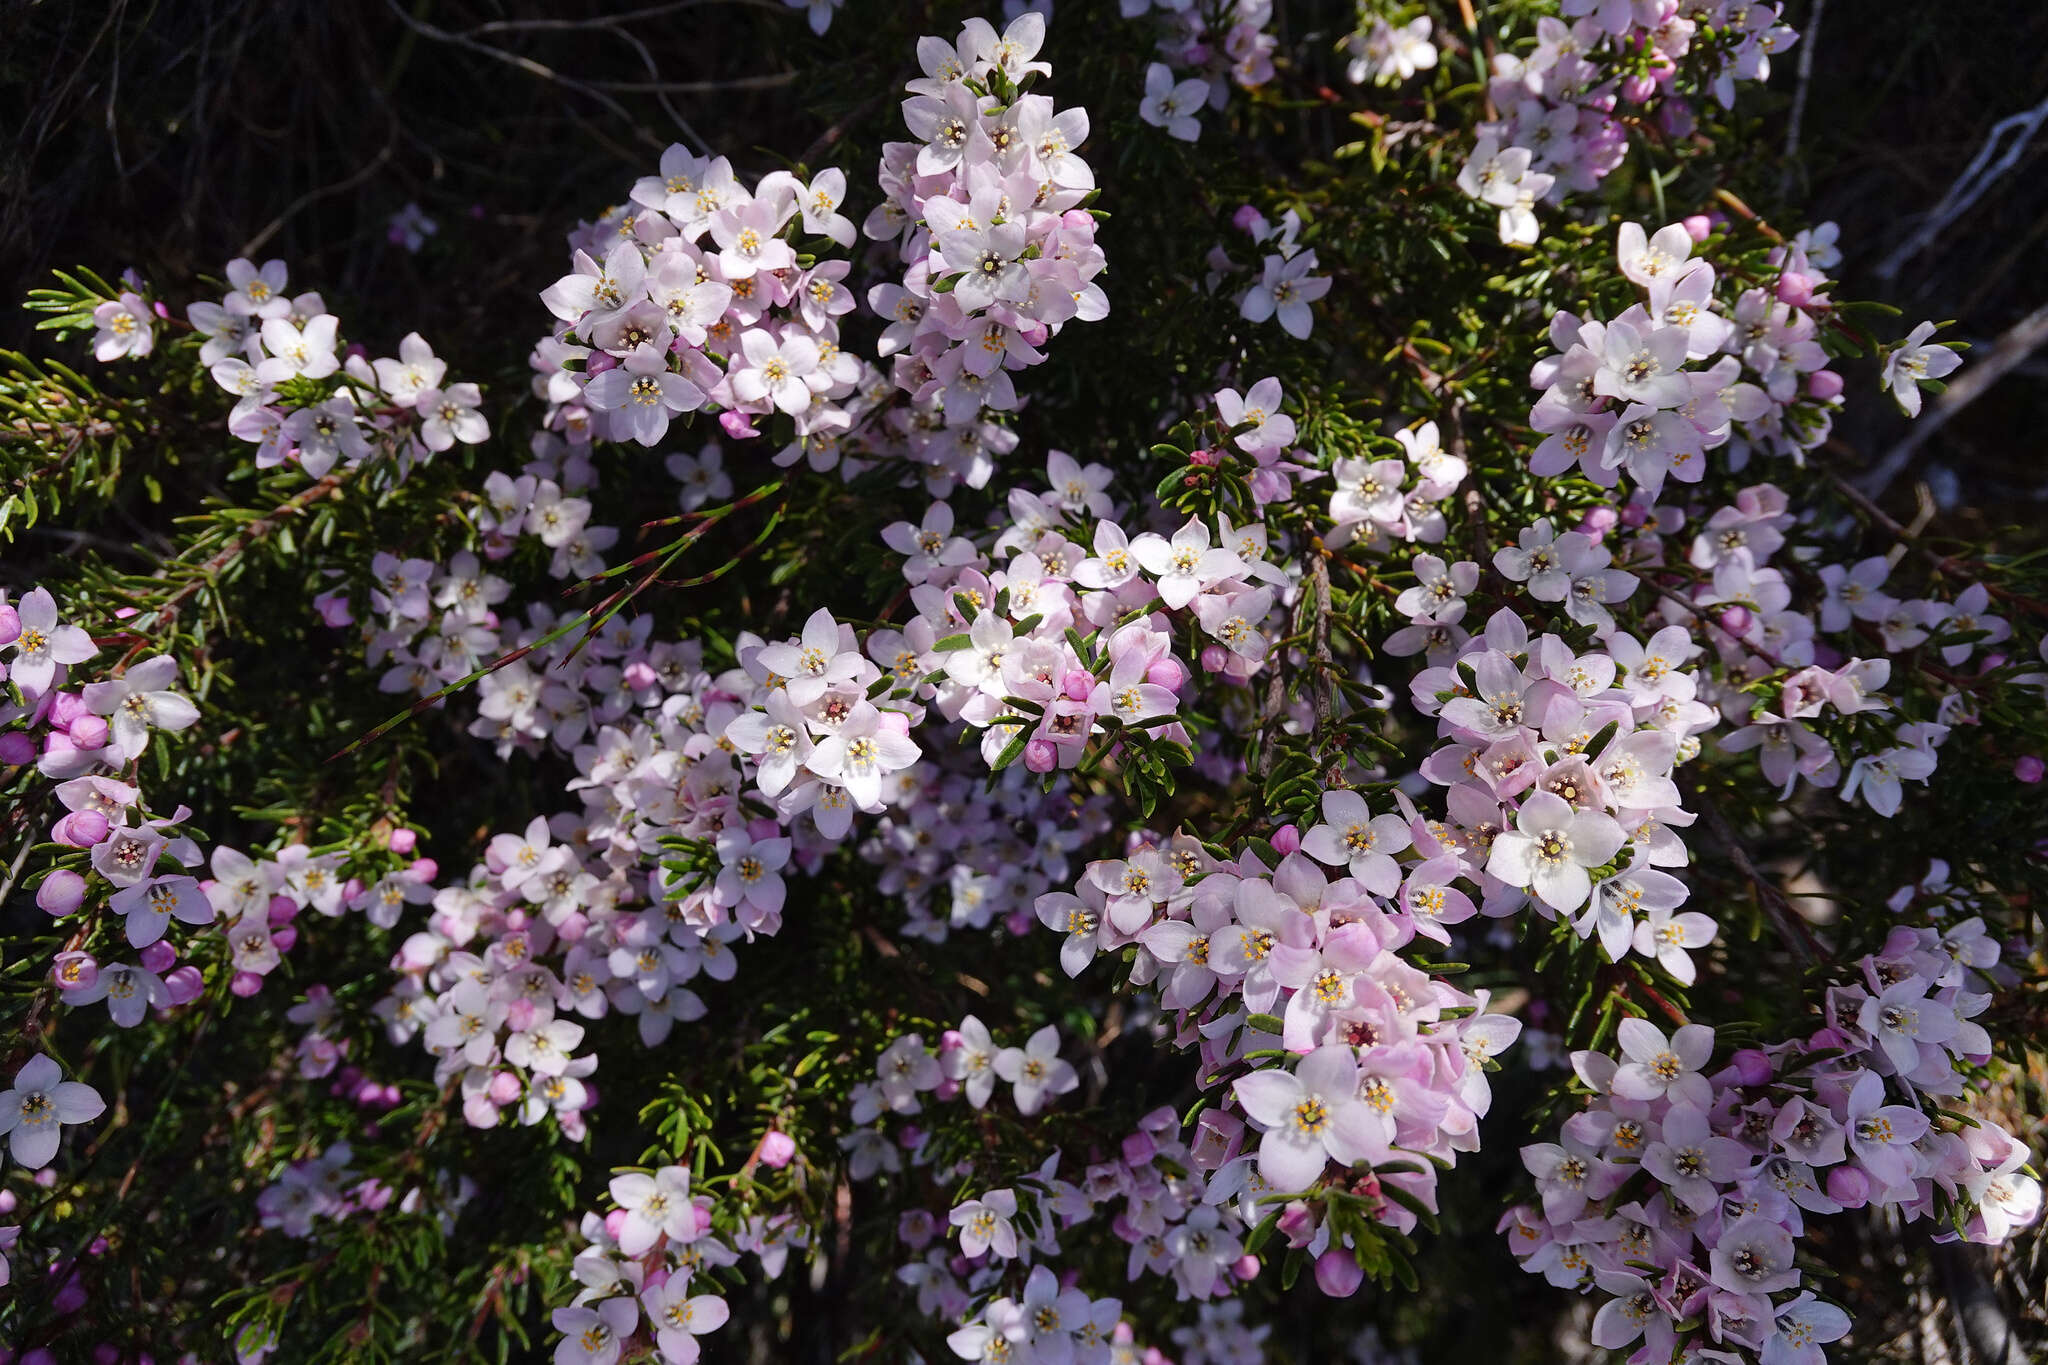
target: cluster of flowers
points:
(1243, 56)
(652, 1255)
(654, 321)
(986, 210)
(1737, 1159)
(1563, 120)
(325, 1186)
(1374, 503)
(1387, 54)
(1618, 397)
(300, 395)
(1259, 963)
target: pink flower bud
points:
(1338, 1273)
(281, 910)
(737, 425)
(1138, 1149)
(615, 1222)
(62, 892)
(1204, 458)
(1297, 1224)
(1020, 923)
(1286, 840)
(910, 1137)
(1795, 289)
(1215, 658)
(80, 829)
(9, 1202)
(2028, 769)
(1246, 1268)
(333, 608)
(1751, 1066)
(89, 732)
(403, 841)
(947, 1089)
(892, 723)
(506, 1088)
(778, 1148)
(10, 624)
(573, 927)
(1040, 756)
(600, 361)
(66, 707)
(1737, 620)
(1634, 89)
(951, 1041)
(284, 937)
(185, 983)
(1848, 1187)
(245, 984)
(1246, 218)
(16, 748)
(423, 870)
(640, 675)
(1824, 384)
(159, 956)
(1078, 683)
(1167, 672)
(352, 888)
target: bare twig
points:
(1790, 924)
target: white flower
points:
(656, 1206)
(296, 352)
(1311, 1116)
(1551, 847)
(1036, 1070)
(126, 328)
(680, 1317)
(1285, 289)
(1913, 362)
(1658, 1067)
(140, 700)
(594, 1336)
(44, 644)
(1170, 106)
(1352, 837)
(39, 1103)
(451, 415)
(985, 1224)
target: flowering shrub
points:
(948, 789)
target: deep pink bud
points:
(283, 938)
(600, 361)
(185, 983)
(1634, 89)
(1338, 1273)
(16, 748)
(424, 870)
(1246, 218)
(2028, 769)
(1297, 1224)
(1246, 1268)
(506, 1088)
(1824, 384)
(640, 675)
(10, 624)
(737, 425)
(615, 1222)
(1795, 289)
(1634, 514)
(573, 927)
(159, 956)
(281, 910)
(1752, 1066)
(1215, 658)
(951, 1041)
(1078, 683)
(66, 707)
(1286, 840)
(403, 841)
(62, 892)
(88, 732)
(910, 1137)
(1848, 1187)
(1737, 620)
(1202, 457)
(1138, 1149)
(81, 829)
(778, 1148)
(947, 1088)
(1040, 756)
(1167, 672)
(244, 984)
